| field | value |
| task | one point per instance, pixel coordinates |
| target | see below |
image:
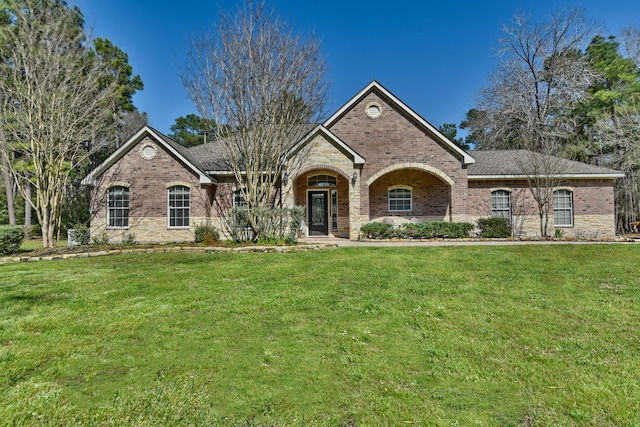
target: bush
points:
(206, 233)
(439, 229)
(275, 225)
(79, 235)
(129, 239)
(494, 227)
(377, 230)
(101, 239)
(11, 237)
(424, 230)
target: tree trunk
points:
(8, 184)
(27, 210)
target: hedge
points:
(425, 230)
(494, 227)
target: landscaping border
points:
(190, 249)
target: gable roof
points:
(168, 144)
(321, 130)
(507, 164)
(376, 87)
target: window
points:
(118, 207)
(334, 209)
(501, 204)
(562, 208)
(179, 206)
(400, 199)
(238, 199)
(322, 180)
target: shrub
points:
(275, 225)
(439, 229)
(377, 230)
(129, 239)
(424, 230)
(494, 227)
(101, 239)
(79, 235)
(206, 233)
(11, 237)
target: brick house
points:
(374, 159)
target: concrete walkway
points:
(453, 242)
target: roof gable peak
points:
(390, 98)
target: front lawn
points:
(506, 335)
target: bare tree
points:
(630, 37)
(58, 103)
(624, 136)
(533, 95)
(263, 84)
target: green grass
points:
(513, 336)
(36, 244)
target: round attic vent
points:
(148, 151)
(373, 110)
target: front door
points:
(318, 213)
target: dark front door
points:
(318, 213)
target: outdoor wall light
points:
(354, 178)
(285, 178)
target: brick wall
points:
(593, 206)
(148, 180)
(394, 138)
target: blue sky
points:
(434, 55)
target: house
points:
(375, 159)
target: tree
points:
(264, 84)
(450, 130)
(612, 118)
(631, 43)
(533, 96)
(58, 102)
(192, 130)
(120, 73)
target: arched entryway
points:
(324, 192)
(410, 193)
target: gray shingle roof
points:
(489, 163)
(508, 163)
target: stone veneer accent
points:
(150, 230)
(322, 156)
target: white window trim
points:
(400, 187)
(118, 227)
(506, 190)
(570, 209)
(175, 227)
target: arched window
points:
(501, 204)
(179, 206)
(562, 208)
(322, 180)
(400, 199)
(118, 207)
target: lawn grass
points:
(36, 244)
(520, 335)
